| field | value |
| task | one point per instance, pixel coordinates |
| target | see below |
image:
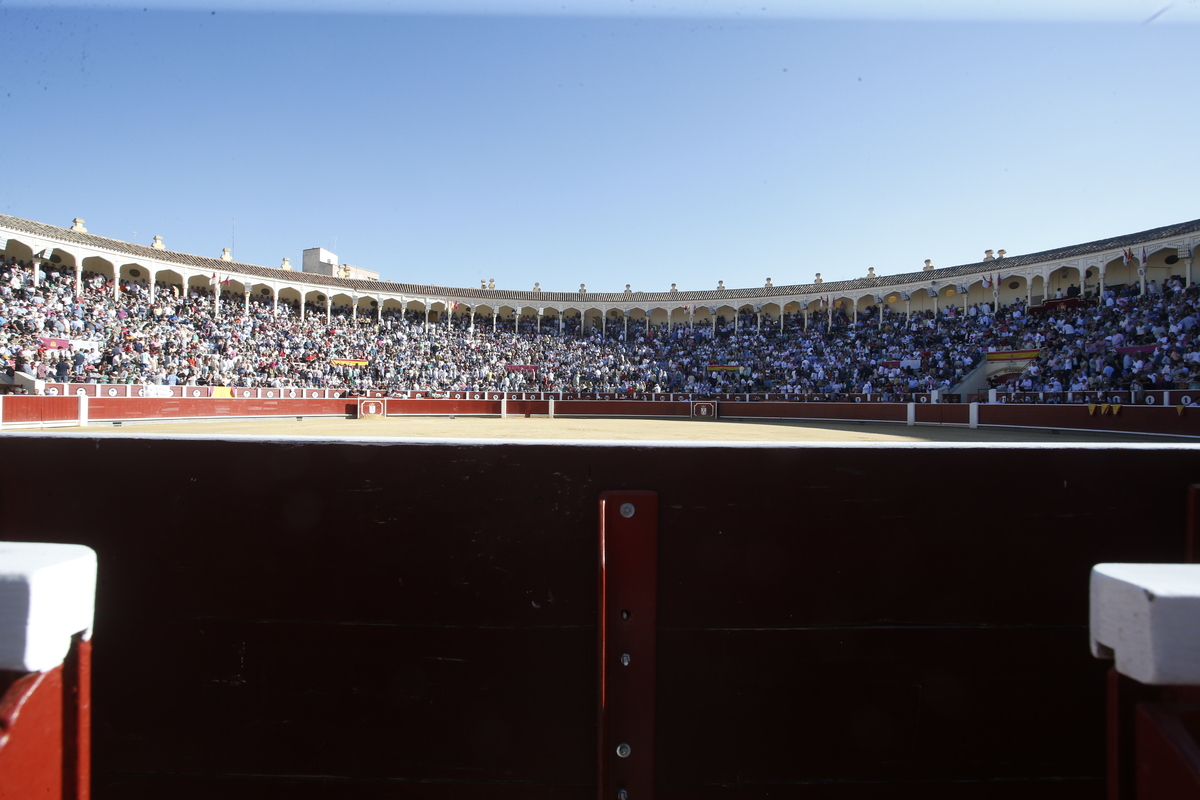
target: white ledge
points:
(47, 595)
(1147, 617)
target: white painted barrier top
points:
(1147, 617)
(47, 595)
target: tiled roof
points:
(575, 300)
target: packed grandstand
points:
(62, 321)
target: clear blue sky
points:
(602, 148)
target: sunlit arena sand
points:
(544, 428)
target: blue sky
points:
(606, 144)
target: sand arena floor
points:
(626, 429)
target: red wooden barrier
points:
(525, 408)
(30, 409)
(881, 412)
(620, 408)
(45, 670)
(1113, 419)
(23, 410)
(817, 635)
(114, 409)
(943, 414)
(46, 730)
(628, 606)
(399, 407)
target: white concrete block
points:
(1147, 617)
(47, 594)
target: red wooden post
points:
(628, 631)
(46, 604)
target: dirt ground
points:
(542, 428)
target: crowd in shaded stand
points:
(183, 337)
(1125, 341)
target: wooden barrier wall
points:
(877, 412)
(399, 407)
(630, 408)
(404, 620)
(1110, 418)
(45, 730)
(34, 411)
(105, 408)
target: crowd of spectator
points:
(111, 334)
(1125, 340)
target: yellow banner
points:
(222, 391)
(349, 362)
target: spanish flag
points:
(349, 362)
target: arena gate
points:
(380, 619)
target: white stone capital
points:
(1147, 617)
(47, 595)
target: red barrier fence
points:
(40, 411)
(1111, 418)
(46, 721)
(120, 409)
(626, 408)
(873, 412)
(398, 407)
(854, 657)
(943, 414)
(30, 411)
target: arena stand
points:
(1128, 345)
(144, 324)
